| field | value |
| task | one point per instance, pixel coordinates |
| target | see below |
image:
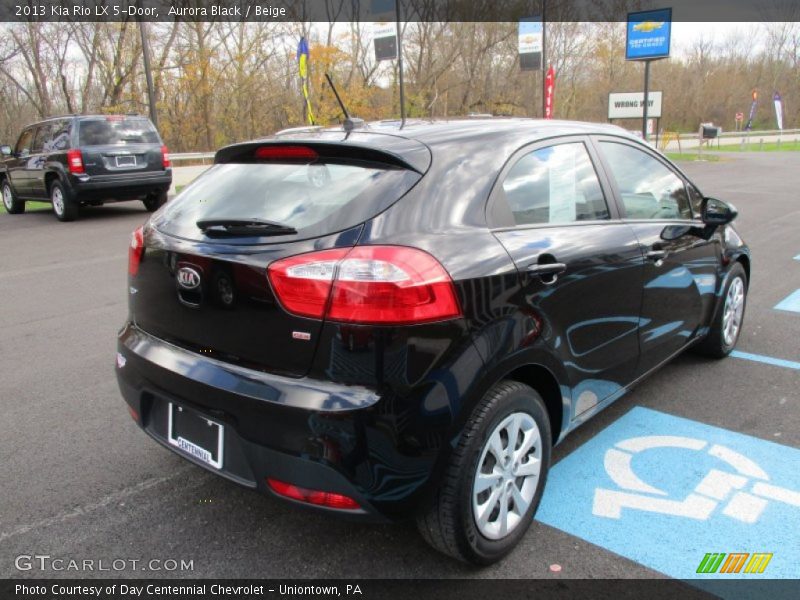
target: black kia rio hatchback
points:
(400, 322)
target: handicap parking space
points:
(666, 491)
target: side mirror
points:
(5, 150)
(716, 212)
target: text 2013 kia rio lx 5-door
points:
(394, 323)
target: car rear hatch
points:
(202, 280)
(117, 144)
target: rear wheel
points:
(63, 207)
(10, 202)
(495, 479)
(727, 325)
(155, 201)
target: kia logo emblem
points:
(188, 278)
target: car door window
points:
(647, 187)
(24, 143)
(39, 138)
(556, 184)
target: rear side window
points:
(115, 129)
(59, 136)
(314, 197)
(557, 184)
(647, 187)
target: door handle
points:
(657, 255)
(547, 268)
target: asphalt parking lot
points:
(79, 480)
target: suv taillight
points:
(75, 161)
(165, 162)
(135, 251)
(388, 285)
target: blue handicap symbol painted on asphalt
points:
(663, 491)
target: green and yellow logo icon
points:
(735, 562)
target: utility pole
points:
(400, 65)
(151, 95)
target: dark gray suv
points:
(81, 160)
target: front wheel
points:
(495, 479)
(727, 325)
(10, 202)
(63, 207)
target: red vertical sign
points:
(549, 89)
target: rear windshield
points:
(115, 129)
(313, 198)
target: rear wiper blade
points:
(243, 227)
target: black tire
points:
(715, 344)
(449, 524)
(155, 201)
(63, 206)
(12, 205)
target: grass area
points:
(30, 206)
(754, 146)
(179, 189)
(692, 156)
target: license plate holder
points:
(125, 161)
(196, 435)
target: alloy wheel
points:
(57, 198)
(733, 311)
(8, 198)
(507, 476)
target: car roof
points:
(76, 116)
(471, 136)
(432, 132)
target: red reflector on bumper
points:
(316, 497)
(134, 414)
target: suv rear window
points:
(314, 198)
(115, 129)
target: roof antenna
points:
(350, 123)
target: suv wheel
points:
(64, 208)
(727, 325)
(155, 201)
(11, 204)
(495, 479)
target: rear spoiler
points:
(411, 155)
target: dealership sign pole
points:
(389, 43)
(531, 45)
(648, 39)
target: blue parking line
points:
(790, 303)
(778, 362)
(665, 491)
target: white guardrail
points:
(727, 138)
(203, 157)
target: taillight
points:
(165, 162)
(135, 251)
(389, 285)
(75, 161)
(318, 498)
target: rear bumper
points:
(315, 434)
(127, 186)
